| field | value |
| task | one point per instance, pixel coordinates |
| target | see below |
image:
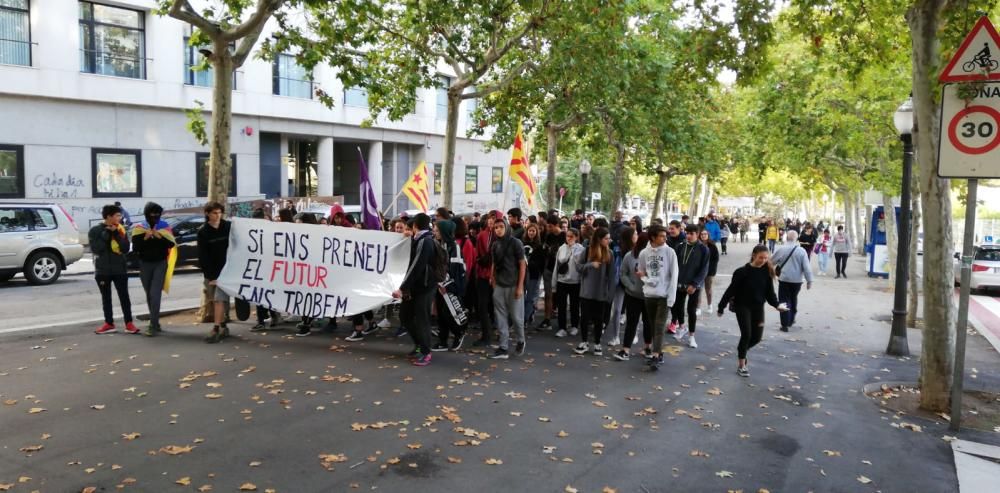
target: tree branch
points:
(502, 83)
(255, 24)
(183, 11)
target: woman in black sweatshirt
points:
(751, 286)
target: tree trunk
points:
(848, 216)
(661, 185)
(891, 234)
(222, 123)
(702, 199)
(860, 222)
(692, 205)
(938, 346)
(450, 137)
(709, 195)
(914, 284)
(552, 146)
(618, 194)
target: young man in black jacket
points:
(152, 240)
(109, 244)
(417, 290)
(692, 264)
(213, 245)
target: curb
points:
(143, 316)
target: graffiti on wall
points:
(56, 186)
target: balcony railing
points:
(108, 63)
(15, 51)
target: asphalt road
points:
(319, 414)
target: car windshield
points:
(988, 254)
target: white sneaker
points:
(561, 333)
(691, 343)
(581, 348)
(681, 332)
(614, 342)
(573, 331)
(275, 320)
(697, 312)
(384, 324)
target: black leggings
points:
(263, 313)
(634, 308)
(722, 242)
(572, 292)
(841, 260)
(446, 323)
(751, 321)
(595, 312)
(677, 311)
(121, 286)
(359, 319)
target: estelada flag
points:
(417, 188)
(519, 170)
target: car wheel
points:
(42, 268)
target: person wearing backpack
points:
(484, 287)
(417, 289)
(507, 280)
(444, 231)
(793, 266)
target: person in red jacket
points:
(484, 291)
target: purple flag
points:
(369, 207)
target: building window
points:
(437, 177)
(15, 32)
(192, 59)
(496, 181)
(202, 177)
(290, 79)
(116, 172)
(112, 41)
(444, 83)
(471, 179)
(11, 171)
(356, 96)
(470, 113)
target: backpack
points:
(456, 272)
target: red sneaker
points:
(106, 329)
(131, 328)
(672, 328)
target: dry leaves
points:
(454, 460)
(98, 407)
(494, 462)
(31, 448)
(176, 449)
(213, 396)
(248, 487)
(864, 479)
(185, 481)
(832, 453)
(36, 410)
(131, 436)
(699, 453)
(562, 434)
(724, 474)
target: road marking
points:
(986, 311)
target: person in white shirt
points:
(566, 279)
(658, 270)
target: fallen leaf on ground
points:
(562, 434)
(248, 487)
(213, 396)
(31, 448)
(570, 489)
(36, 410)
(608, 489)
(724, 474)
(413, 446)
(832, 453)
(454, 460)
(864, 479)
(131, 436)
(6, 486)
(205, 488)
(185, 481)
(699, 453)
(98, 407)
(494, 462)
(89, 489)
(714, 391)
(176, 449)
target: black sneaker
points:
(401, 331)
(330, 325)
(519, 348)
(415, 353)
(481, 343)
(622, 355)
(457, 343)
(225, 331)
(784, 329)
(647, 353)
(372, 327)
(500, 353)
(303, 330)
(545, 324)
(260, 327)
(743, 372)
(355, 336)
(215, 337)
(437, 348)
(597, 350)
(655, 362)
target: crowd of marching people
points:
(618, 283)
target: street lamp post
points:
(584, 171)
(903, 119)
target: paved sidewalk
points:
(277, 411)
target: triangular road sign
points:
(978, 58)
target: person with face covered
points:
(153, 241)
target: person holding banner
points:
(444, 233)
(154, 242)
(213, 246)
(417, 289)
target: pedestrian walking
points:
(762, 231)
(634, 301)
(597, 285)
(110, 244)
(553, 238)
(566, 279)
(713, 266)
(154, 243)
(793, 268)
(507, 281)
(693, 259)
(417, 289)
(822, 250)
(752, 285)
(448, 326)
(213, 245)
(807, 239)
(724, 234)
(713, 228)
(841, 250)
(657, 267)
(535, 253)
(613, 326)
(772, 236)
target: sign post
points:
(968, 148)
(594, 196)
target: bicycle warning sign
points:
(978, 58)
(970, 133)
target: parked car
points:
(37, 239)
(185, 228)
(985, 268)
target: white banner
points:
(313, 270)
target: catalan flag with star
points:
(519, 170)
(417, 188)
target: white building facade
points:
(91, 112)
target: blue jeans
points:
(824, 260)
(530, 297)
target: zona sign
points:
(970, 133)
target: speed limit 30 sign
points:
(970, 133)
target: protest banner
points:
(313, 271)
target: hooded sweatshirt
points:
(569, 255)
(629, 279)
(596, 283)
(660, 267)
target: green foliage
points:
(196, 122)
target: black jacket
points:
(751, 287)
(106, 261)
(152, 250)
(213, 244)
(713, 259)
(419, 276)
(692, 264)
(536, 259)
